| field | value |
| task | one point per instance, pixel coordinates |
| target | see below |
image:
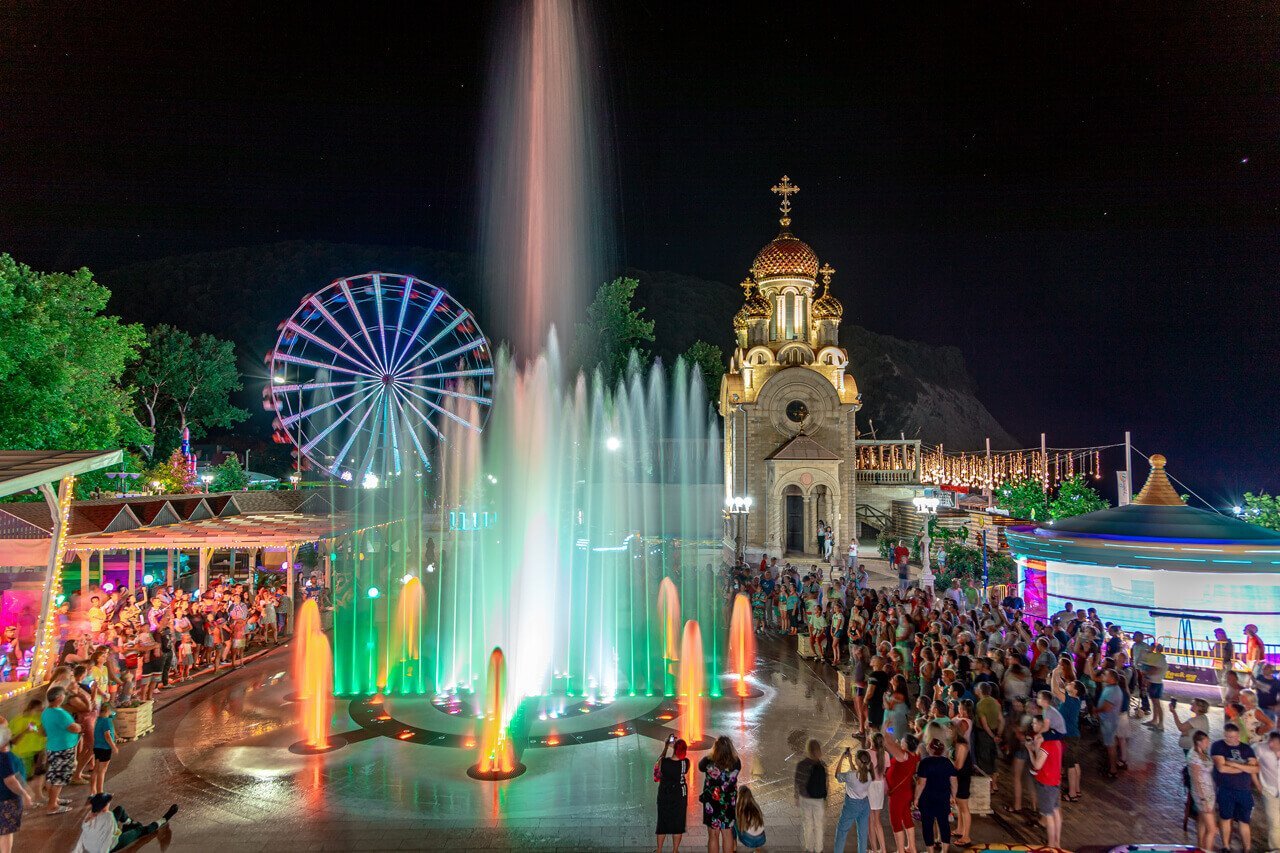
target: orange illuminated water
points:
(313, 677)
(404, 648)
(693, 694)
(496, 752)
(669, 619)
(742, 642)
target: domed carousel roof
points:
(785, 255)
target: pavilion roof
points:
(248, 530)
(27, 469)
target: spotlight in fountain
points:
(497, 756)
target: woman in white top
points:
(1197, 722)
(1200, 773)
(857, 775)
(875, 795)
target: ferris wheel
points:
(373, 371)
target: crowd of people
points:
(951, 691)
(117, 650)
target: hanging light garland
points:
(976, 470)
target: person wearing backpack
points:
(811, 795)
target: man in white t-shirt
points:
(851, 561)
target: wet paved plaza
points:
(222, 753)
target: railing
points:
(868, 514)
(1191, 651)
(887, 477)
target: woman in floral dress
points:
(720, 794)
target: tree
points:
(1261, 509)
(613, 329)
(171, 475)
(185, 382)
(1075, 497)
(230, 476)
(61, 363)
(1023, 499)
(709, 359)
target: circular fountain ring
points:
(495, 775)
(301, 748)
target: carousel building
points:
(1160, 567)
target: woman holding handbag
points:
(672, 775)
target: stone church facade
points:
(787, 403)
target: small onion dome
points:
(826, 306)
(740, 320)
(757, 307)
(785, 256)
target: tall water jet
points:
(497, 757)
(401, 666)
(742, 644)
(546, 228)
(669, 624)
(313, 680)
(693, 694)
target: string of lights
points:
(980, 470)
(45, 649)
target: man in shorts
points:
(1234, 766)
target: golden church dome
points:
(740, 320)
(826, 306)
(785, 255)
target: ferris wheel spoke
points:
(306, 413)
(321, 342)
(410, 431)
(426, 348)
(467, 347)
(343, 415)
(382, 325)
(320, 365)
(393, 422)
(355, 311)
(408, 389)
(417, 330)
(290, 387)
(404, 307)
(426, 419)
(450, 374)
(448, 392)
(355, 432)
(379, 417)
(371, 363)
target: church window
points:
(791, 316)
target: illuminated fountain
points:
(313, 680)
(669, 619)
(742, 646)
(402, 664)
(497, 757)
(692, 691)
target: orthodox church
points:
(790, 441)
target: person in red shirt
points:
(1254, 650)
(1046, 765)
(899, 783)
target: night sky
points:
(1086, 204)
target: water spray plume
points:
(313, 677)
(404, 650)
(693, 718)
(496, 752)
(669, 616)
(742, 643)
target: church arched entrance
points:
(793, 514)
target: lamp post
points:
(207, 479)
(739, 507)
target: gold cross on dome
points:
(786, 189)
(827, 271)
(746, 286)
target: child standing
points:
(186, 657)
(104, 746)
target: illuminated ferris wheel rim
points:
(390, 361)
